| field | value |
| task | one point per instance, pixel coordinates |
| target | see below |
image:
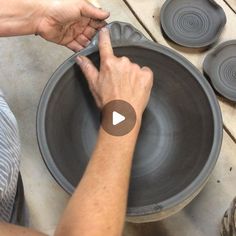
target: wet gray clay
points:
(220, 68)
(192, 23)
(180, 138)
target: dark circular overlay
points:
(123, 108)
(192, 23)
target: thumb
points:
(89, 10)
(90, 71)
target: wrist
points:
(21, 17)
(39, 13)
(133, 132)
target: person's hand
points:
(118, 78)
(71, 23)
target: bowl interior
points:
(176, 137)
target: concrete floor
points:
(26, 64)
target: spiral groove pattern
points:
(191, 23)
(194, 24)
(227, 72)
(220, 67)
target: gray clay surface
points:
(180, 138)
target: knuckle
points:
(124, 60)
(148, 77)
(86, 65)
(147, 72)
(136, 67)
(106, 45)
(107, 63)
(146, 69)
(150, 83)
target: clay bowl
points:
(180, 138)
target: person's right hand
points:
(118, 78)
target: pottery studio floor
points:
(26, 64)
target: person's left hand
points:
(71, 23)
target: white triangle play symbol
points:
(117, 118)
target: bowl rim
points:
(143, 42)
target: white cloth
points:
(9, 159)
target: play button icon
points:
(118, 118)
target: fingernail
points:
(87, 43)
(100, 8)
(104, 29)
(79, 60)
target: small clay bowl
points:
(191, 23)
(220, 67)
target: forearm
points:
(13, 230)
(20, 17)
(98, 206)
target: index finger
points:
(105, 46)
